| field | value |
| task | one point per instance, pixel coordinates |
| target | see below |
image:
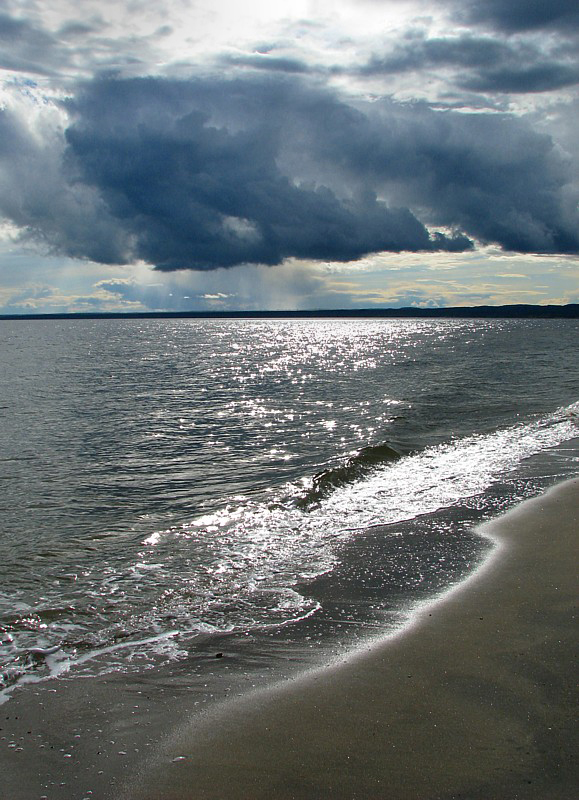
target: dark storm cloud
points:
(210, 172)
(272, 168)
(535, 78)
(522, 15)
(481, 63)
(192, 172)
(490, 175)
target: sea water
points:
(163, 482)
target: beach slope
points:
(475, 699)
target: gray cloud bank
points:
(521, 15)
(482, 63)
(208, 172)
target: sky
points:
(313, 154)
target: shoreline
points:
(513, 311)
(474, 699)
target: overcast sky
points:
(208, 154)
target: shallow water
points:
(165, 481)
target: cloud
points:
(490, 175)
(211, 172)
(539, 77)
(480, 63)
(522, 15)
(387, 280)
(41, 197)
(251, 287)
(59, 44)
(267, 62)
(25, 47)
(186, 174)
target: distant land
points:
(521, 311)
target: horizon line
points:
(518, 310)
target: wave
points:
(354, 468)
(244, 566)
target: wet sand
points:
(474, 700)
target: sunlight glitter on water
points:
(188, 485)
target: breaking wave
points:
(243, 566)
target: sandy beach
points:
(475, 699)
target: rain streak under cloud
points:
(316, 140)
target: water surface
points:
(165, 480)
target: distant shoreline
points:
(521, 311)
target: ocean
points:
(177, 487)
